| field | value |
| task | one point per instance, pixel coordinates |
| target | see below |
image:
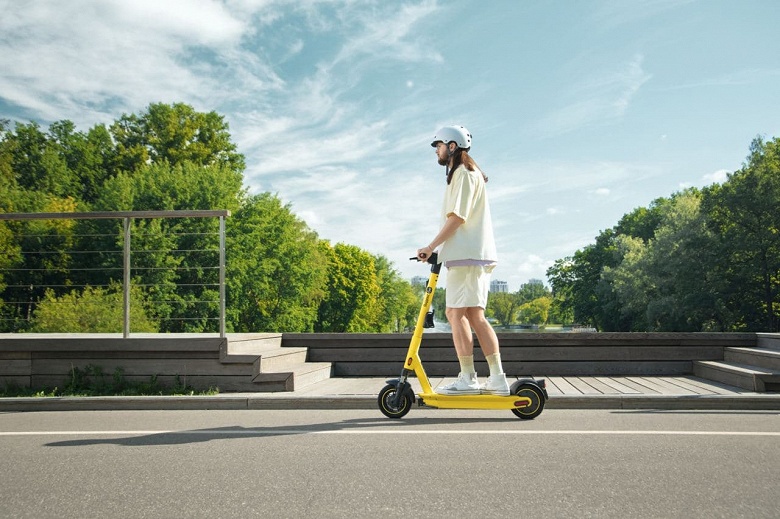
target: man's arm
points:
(448, 229)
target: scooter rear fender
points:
(538, 384)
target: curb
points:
(259, 401)
(763, 402)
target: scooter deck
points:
(473, 401)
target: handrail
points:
(194, 213)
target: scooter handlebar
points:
(433, 259)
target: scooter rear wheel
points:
(386, 402)
(537, 402)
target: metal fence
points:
(131, 273)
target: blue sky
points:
(581, 111)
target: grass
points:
(92, 381)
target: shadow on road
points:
(221, 433)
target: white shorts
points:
(468, 286)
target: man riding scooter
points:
(467, 250)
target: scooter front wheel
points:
(537, 402)
(386, 401)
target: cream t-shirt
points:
(467, 198)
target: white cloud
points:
(716, 177)
(597, 99)
(531, 265)
(86, 61)
(389, 34)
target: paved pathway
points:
(556, 386)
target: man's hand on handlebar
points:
(424, 253)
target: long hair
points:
(462, 156)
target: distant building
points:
(498, 286)
(419, 281)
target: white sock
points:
(467, 364)
(494, 362)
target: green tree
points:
(578, 286)
(93, 310)
(276, 269)
(37, 162)
(174, 134)
(743, 213)
(534, 289)
(503, 307)
(398, 304)
(88, 157)
(350, 304)
(536, 311)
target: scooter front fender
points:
(406, 387)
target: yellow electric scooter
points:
(526, 397)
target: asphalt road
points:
(433, 463)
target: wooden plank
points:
(142, 366)
(693, 388)
(14, 355)
(653, 385)
(132, 355)
(619, 387)
(565, 387)
(670, 388)
(198, 382)
(15, 380)
(98, 343)
(581, 385)
(15, 367)
(632, 340)
(715, 386)
(600, 386)
(639, 388)
(345, 352)
(598, 368)
(364, 355)
(552, 387)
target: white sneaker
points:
(496, 385)
(463, 385)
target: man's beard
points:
(444, 162)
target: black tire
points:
(537, 402)
(385, 401)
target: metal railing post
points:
(221, 276)
(126, 280)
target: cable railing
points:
(178, 270)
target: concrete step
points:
(746, 376)
(300, 375)
(272, 367)
(241, 348)
(265, 354)
(768, 340)
(765, 358)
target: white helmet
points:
(457, 134)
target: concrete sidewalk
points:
(596, 392)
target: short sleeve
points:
(460, 196)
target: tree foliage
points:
(93, 310)
(276, 269)
(699, 260)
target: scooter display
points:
(526, 398)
